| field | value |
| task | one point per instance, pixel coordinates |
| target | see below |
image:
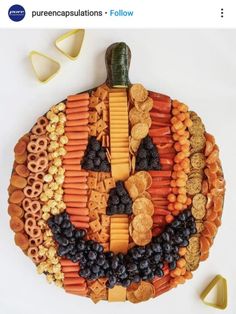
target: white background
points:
(197, 67)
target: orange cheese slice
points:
(115, 99)
(117, 294)
(119, 225)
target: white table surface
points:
(197, 67)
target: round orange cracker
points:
(139, 131)
(138, 92)
(142, 223)
(142, 238)
(146, 177)
(143, 205)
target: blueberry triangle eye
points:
(119, 201)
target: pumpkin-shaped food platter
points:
(117, 192)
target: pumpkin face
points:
(117, 193)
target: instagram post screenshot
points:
(118, 147)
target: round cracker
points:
(146, 177)
(139, 131)
(145, 106)
(142, 223)
(143, 205)
(194, 185)
(142, 238)
(138, 92)
(197, 161)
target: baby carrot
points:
(67, 269)
(77, 135)
(75, 179)
(73, 281)
(161, 212)
(77, 109)
(77, 116)
(82, 225)
(77, 122)
(74, 148)
(163, 290)
(160, 191)
(71, 275)
(77, 186)
(72, 161)
(76, 173)
(162, 106)
(162, 139)
(75, 218)
(159, 115)
(157, 184)
(76, 205)
(75, 192)
(67, 262)
(72, 167)
(79, 128)
(75, 198)
(159, 131)
(77, 142)
(166, 161)
(82, 96)
(71, 155)
(160, 173)
(77, 211)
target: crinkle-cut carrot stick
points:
(164, 146)
(81, 211)
(156, 231)
(77, 186)
(72, 161)
(159, 131)
(71, 155)
(162, 139)
(79, 218)
(67, 262)
(161, 183)
(73, 281)
(76, 205)
(75, 148)
(161, 203)
(68, 269)
(154, 173)
(166, 167)
(76, 104)
(158, 198)
(75, 179)
(168, 154)
(82, 96)
(162, 290)
(161, 212)
(77, 109)
(75, 198)
(77, 116)
(77, 142)
(75, 192)
(71, 275)
(72, 167)
(82, 225)
(77, 135)
(81, 128)
(162, 106)
(76, 173)
(77, 122)
(160, 191)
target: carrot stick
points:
(67, 269)
(80, 128)
(74, 179)
(77, 109)
(82, 96)
(161, 212)
(160, 191)
(67, 262)
(76, 104)
(159, 220)
(162, 106)
(77, 116)
(159, 131)
(71, 275)
(166, 161)
(159, 97)
(161, 123)
(163, 139)
(77, 135)
(79, 186)
(73, 281)
(72, 161)
(75, 198)
(159, 115)
(74, 148)
(71, 155)
(160, 183)
(160, 173)
(77, 122)
(161, 203)
(163, 290)
(158, 198)
(167, 153)
(75, 192)
(77, 211)
(72, 167)
(82, 225)
(158, 282)
(76, 205)
(166, 167)
(77, 142)
(79, 218)
(76, 173)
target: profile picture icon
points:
(16, 13)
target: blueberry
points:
(156, 247)
(55, 229)
(95, 269)
(68, 233)
(125, 283)
(102, 155)
(157, 258)
(92, 255)
(159, 272)
(66, 224)
(81, 246)
(184, 243)
(167, 247)
(97, 161)
(79, 234)
(114, 263)
(58, 219)
(121, 269)
(131, 267)
(172, 265)
(165, 236)
(90, 154)
(125, 200)
(142, 153)
(115, 200)
(121, 208)
(85, 272)
(96, 247)
(168, 258)
(143, 264)
(176, 223)
(105, 265)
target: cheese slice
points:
(120, 172)
(119, 246)
(117, 294)
(119, 236)
(119, 225)
(121, 99)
